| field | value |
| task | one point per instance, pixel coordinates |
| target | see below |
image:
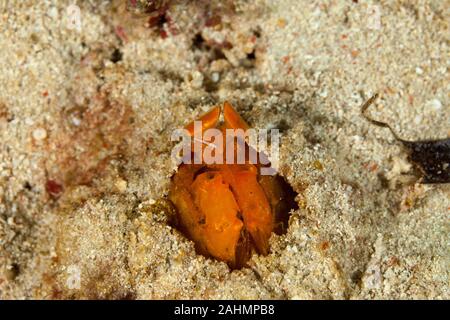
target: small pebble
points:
(434, 104)
(418, 119)
(11, 272)
(121, 185)
(53, 13)
(197, 79)
(39, 134)
(215, 77)
(323, 93)
(281, 23)
(10, 221)
(76, 121)
(318, 165)
(419, 70)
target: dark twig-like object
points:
(431, 157)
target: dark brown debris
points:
(431, 157)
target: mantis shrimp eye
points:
(229, 210)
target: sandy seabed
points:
(87, 110)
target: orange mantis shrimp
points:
(229, 210)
